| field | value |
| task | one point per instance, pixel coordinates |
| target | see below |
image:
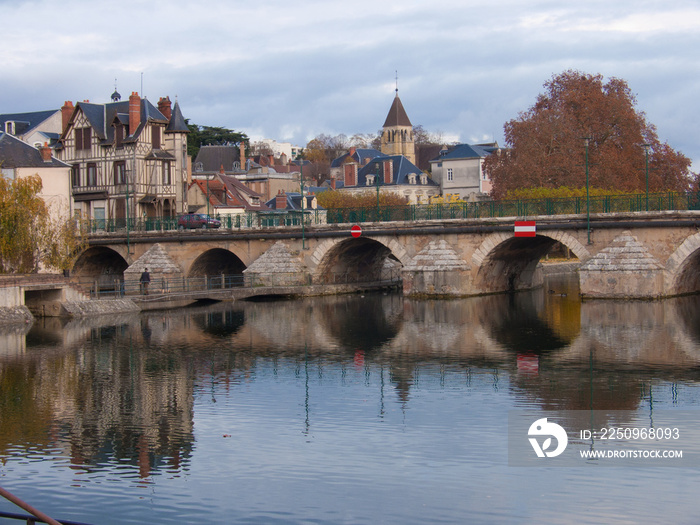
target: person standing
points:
(145, 280)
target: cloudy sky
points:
(292, 70)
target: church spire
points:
(397, 132)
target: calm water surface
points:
(352, 409)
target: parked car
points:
(197, 220)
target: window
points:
(120, 172)
(75, 175)
(449, 174)
(166, 174)
(119, 135)
(82, 139)
(92, 174)
(411, 178)
(155, 137)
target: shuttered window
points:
(155, 137)
(82, 139)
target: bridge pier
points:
(624, 269)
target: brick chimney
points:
(350, 174)
(388, 171)
(66, 113)
(333, 183)
(164, 106)
(352, 151)
(271, 159)
(281, 201)
(134, 112)
(45, 152)
(241, 150)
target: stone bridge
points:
(643, 254)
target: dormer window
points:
(423, 178)
(411, 178)
(370, 180)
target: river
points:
(349, 409)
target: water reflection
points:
(121, 392)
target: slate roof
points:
(402, 168)
(102, 116)
(466, 151)
(397, 114)
(17, 154)
(26, 121)
(213, 157)
(359, 156)
(177, 121)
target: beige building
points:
(459, 170)
(19, 160)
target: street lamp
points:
(646, 155)
(207, 194)
(588, 196)
(376, 182)
(301, 185)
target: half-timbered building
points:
(128, 158)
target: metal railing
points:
(108, 287)
(670, 201)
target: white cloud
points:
(289, 71)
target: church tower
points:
(397, 132)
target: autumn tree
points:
(30, 234)
(64, 239)
(22, 213)
(545, 147)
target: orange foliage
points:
(545, 145)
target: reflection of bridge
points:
(643, 254)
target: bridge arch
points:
(100, 262)
(508, 263)
(359, 259)
(216, 261)
(683, 267)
